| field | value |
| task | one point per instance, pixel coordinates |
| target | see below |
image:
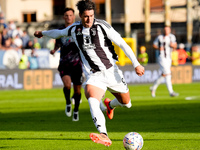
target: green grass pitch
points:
(35, 120)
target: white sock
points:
(169, 83)
(127, 105)
(97, 115)
(115, 103)
(102, 106)
(157, 83)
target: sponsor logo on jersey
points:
(66, 40)
(79, 31)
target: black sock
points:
(67, 95)
(77, 98)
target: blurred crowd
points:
(13, 37)
(180, 56)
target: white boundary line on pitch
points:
(193, 98)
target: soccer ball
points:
(133, 141)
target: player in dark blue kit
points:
(70, 66)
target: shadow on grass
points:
(7, 147)
(148, 118)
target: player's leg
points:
(120, 100)
(162, 63)
(94, 95)
(169, 83)
(77, 79)
(167, 74)
(169, 86)
(156, 84)
(66, 79)
(102, 106)
(118, 87)
(77, 95)
(77, 98)
(66, 89)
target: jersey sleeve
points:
(55, 33)
(58, 41)
(128, 51)
(115, 37)
(173, 38)
(155, 42)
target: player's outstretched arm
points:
(38, 34)
(56, 47)
(118, 40)
(54, 33)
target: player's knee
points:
(68, 86)
(127, 105)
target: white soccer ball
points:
(133, 141)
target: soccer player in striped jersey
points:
(70, 66)
(93, 38)
(164, 43)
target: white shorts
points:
(165, 65)
(111, 79)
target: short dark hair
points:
(84, 5)
(68, 9)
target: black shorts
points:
(74, 71)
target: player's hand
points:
(52, 52)
(139, 70)
(38, 34)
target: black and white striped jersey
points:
(164, 41)
(95, 44)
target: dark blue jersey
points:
(69, 53)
